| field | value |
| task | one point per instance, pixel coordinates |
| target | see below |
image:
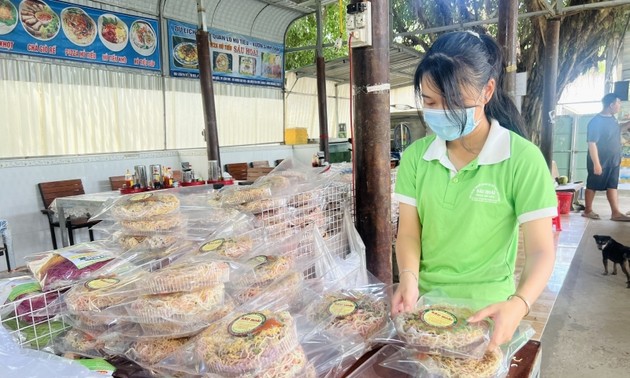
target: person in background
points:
(464, 191)
(603, 159)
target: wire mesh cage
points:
(31, 321)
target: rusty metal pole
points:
(321, 87)
(508, 21)
(207, 91)
(552, 38)
(372, 144)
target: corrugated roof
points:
(264, 19)
(402, 60)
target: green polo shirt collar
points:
(495, 150)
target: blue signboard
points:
(61, 30)
(235, 58)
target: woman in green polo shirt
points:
(465, 190)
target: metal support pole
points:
(321, 87)
(552, 39)
(508, 20)
(371, 142)
(207, 90)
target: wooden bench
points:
(254, 173)
(238, 171)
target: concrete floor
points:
(588, 332)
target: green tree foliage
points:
(303, 33)
(585, 35)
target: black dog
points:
(615, 252)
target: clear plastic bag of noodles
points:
(233, 195)
(247, 341)
(202, 222)
(360, 314)
(168, 323)
(65, 266)
(493, 363)
(140, 206)
(190, 273)
(438, 325)
(100, 293)
(234, 241)
(264, 205)
(197, 196)
(162, 224)
(78, 342)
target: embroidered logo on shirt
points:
(485, 193)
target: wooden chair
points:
(254, 173)
(116, 182)
(55, 189)
(260, 163)
(237, 170)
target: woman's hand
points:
(406, 295)
(506, 316)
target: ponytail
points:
(501, 107)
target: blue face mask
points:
(447, 129)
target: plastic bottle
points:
(128, 179)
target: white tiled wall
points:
(20, 201)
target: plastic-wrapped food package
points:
(260, 206)
(188, 275)
(66, 266)
(79, 342)
(180, 306)
(229, 245)
(492, 364)
(150, 352)
(139, 206)
(246, 342)
(158, 224)
(286, 288)
(236, 195)
(100, 293)
(24, 296)
(352, 313)
(292, 365)
(439, 326)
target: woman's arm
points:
(540, 255)
(408, 259)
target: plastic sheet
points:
(140, 206)
(27, 363)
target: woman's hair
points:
(468, 60)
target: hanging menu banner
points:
(55, 29)
(235, 58)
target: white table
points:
(78, 206)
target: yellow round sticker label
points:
(140, 197)
(342, 307)
(439, 318)
(212, 245)
(246, 324)
(101, 283)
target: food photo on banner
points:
(60, 30)
(235, 58)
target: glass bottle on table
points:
(128, 180)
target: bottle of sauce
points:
(128, 180)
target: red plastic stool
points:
(556, 223)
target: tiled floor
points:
(567, 241)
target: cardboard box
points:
(296, 135)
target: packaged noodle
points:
(246, 342)
(181, 306)
(158, 224)
(236, 195)
(66, 266)
(228, 246)
(286, 287)
(293, 364)
(142, 205)
(79, 342)
(99, 293)
(351, 313)
(443, 329)
(150, 352)
(188, 275)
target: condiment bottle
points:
(128, 179)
